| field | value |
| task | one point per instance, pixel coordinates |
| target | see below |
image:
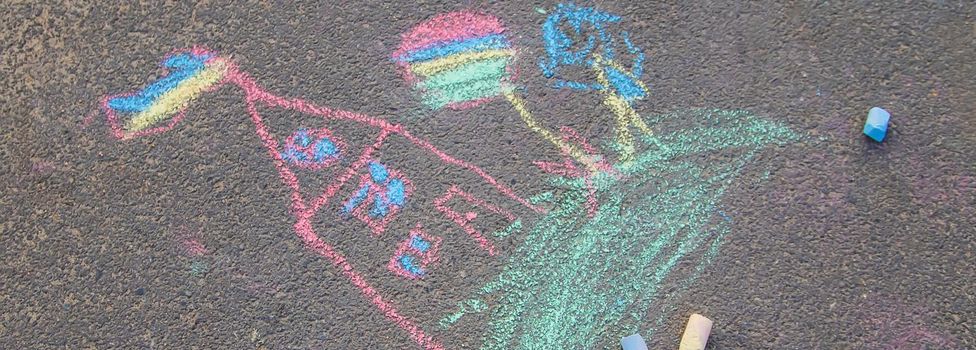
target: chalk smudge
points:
(895, 325)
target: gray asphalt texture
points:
(848, 244)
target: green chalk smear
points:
(540, 10)
(710, 254)
(577, 282)
(505, 232)
(464, 307)
(547, 196)
(469, 91)
(198, 268)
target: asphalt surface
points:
(836, 242)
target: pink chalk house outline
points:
(304, 210)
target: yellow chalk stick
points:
(696, 333)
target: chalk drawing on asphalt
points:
(567, 283)
(457, 60)
(620, 86)
(591, 266)
(130, 118)
(381, 195)
(415, 254)
(312, 148)
(578, 278)
(464, 220)
(463, 59)
(191, 245)
(570, 170)
(189, 74)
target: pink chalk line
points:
(465, 220)
(189, 242)
(569, 169)
(447, 27)
(88, 119)
(427, 257)
(193, 247)
(299, 207)
(312, 241)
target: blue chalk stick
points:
(876, 126)
(633, 342)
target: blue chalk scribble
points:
(418, 243)
(310, 149)
(356, 199)
(725, 216)
(407, 262)
(182, 67)
(489, 42)
(391, 193)
(381, 207)
(396, 192)
(591, 24)
(378, 172)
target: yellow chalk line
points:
(624, 113)
(174, 100)
(533, 125)
(441, 64)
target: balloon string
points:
(622, 110)
(533, 125)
